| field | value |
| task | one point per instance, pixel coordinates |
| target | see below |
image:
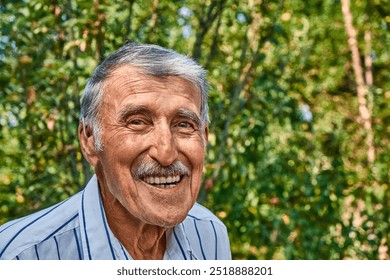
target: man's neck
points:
(142, 241)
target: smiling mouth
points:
(163, 182)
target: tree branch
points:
(205, 22)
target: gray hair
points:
(153, 61)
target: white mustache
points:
(155, 169)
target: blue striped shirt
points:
(77, 229)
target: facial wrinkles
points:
(115, 86)
(138, 83)
(131, 82)
(123, 86)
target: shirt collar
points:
(178, 246)
(98, 241)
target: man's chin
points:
(169, 221)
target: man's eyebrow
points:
(189, 114)
(130, 110)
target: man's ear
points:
(206, 135)
(87, 144)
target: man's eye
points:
(184, 125)
(136, 122)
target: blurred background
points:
(298, 158)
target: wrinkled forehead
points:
(127, 80)
(136, 75)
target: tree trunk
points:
(362, 89)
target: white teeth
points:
(169, 182)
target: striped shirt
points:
(77, 229)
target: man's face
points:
(148, 121)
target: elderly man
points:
(144, 128)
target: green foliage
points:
(286, 168)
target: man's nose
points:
(164, 149)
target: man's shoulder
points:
(201, 213)
(23, 233)
(206, 234)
